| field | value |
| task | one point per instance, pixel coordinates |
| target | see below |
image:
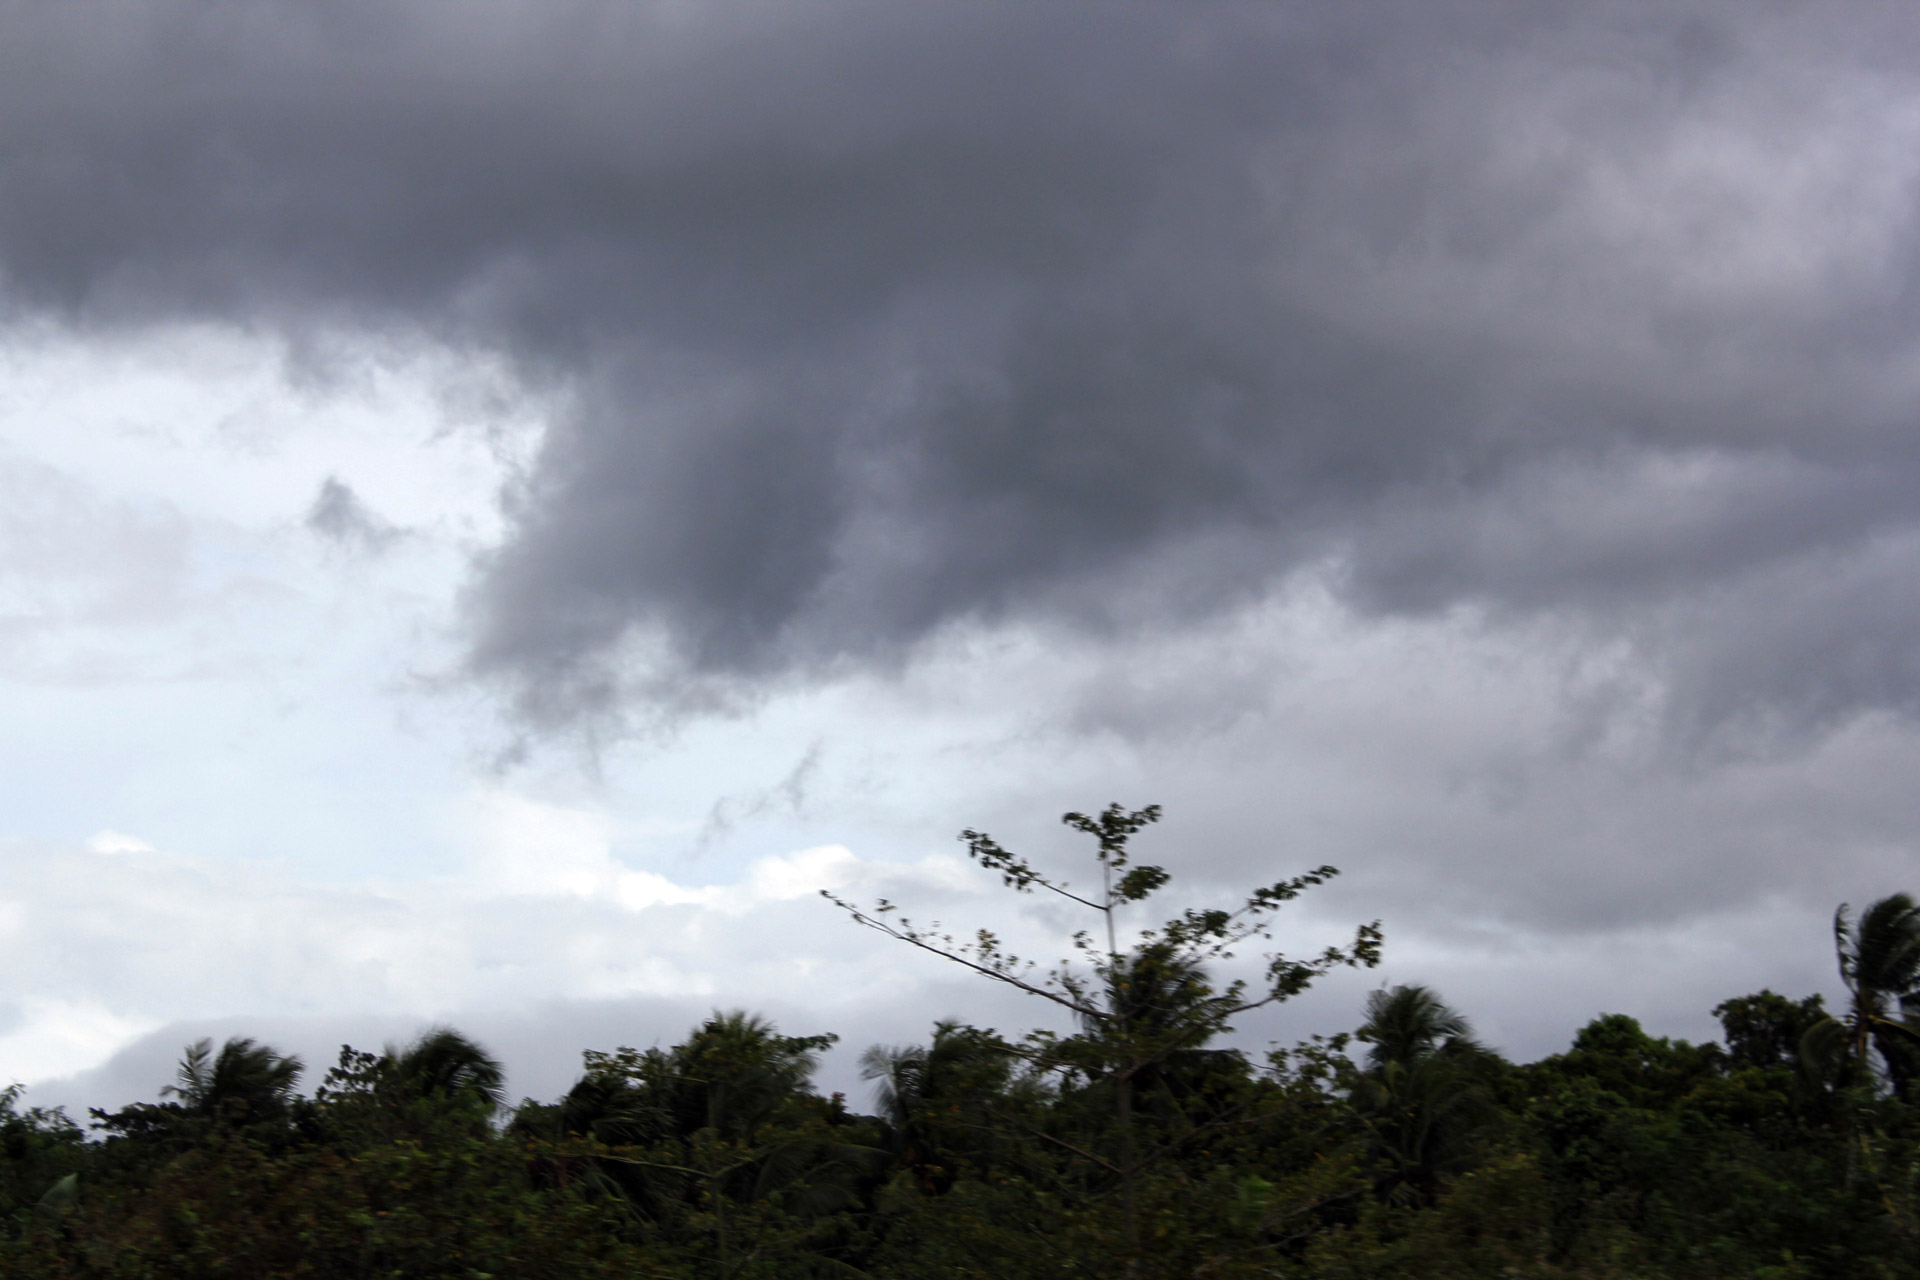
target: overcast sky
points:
(499, 504)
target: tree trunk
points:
(1123, 1110)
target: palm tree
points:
(245, 1080)
(613, 1111)
(929, 1094)
(899, 1076)
(443, 1064)
(1406, 1023)
(1160, 1000)
(1422, 1095)
(1879, 956)
(1111, 1046)
(737, 1119)
(737, 1070)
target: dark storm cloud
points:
(868, 319)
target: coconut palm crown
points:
(1879, 956)
(1407, 1023)
(244, 1079)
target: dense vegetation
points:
(1133, 1146)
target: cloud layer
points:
(867, 322)
(1470, 443)
(545, 944)
(112, 941)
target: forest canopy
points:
(1137, 1143)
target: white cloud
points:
(110, 941)
(118, 842)
(51, 1037)
(536, 849)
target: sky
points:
(500, 505)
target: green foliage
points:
(1879, 957)
(41, 1155)
(717, 1150)
(243, 1082)
(1425, 1096)
(1764, 1030)
(1136, 1090)
(1133, 1145)
(1096, 993)
(454, 1206)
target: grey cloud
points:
(790, 795)
(874, 319)
(84, 579)
(339, 515)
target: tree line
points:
(1134, 1144)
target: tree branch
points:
(861, 917)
